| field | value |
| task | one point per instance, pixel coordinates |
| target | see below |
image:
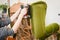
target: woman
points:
(7, 31)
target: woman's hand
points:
(18, 22)
(24, 11)
(15, 15)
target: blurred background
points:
(52, 16)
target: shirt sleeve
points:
(6, 21)
(4, 32)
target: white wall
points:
(3, 1)
(13, 2)
(53, 8)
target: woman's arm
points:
(17, 24)
(6, 20)
(15, 15)
(6, 31)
